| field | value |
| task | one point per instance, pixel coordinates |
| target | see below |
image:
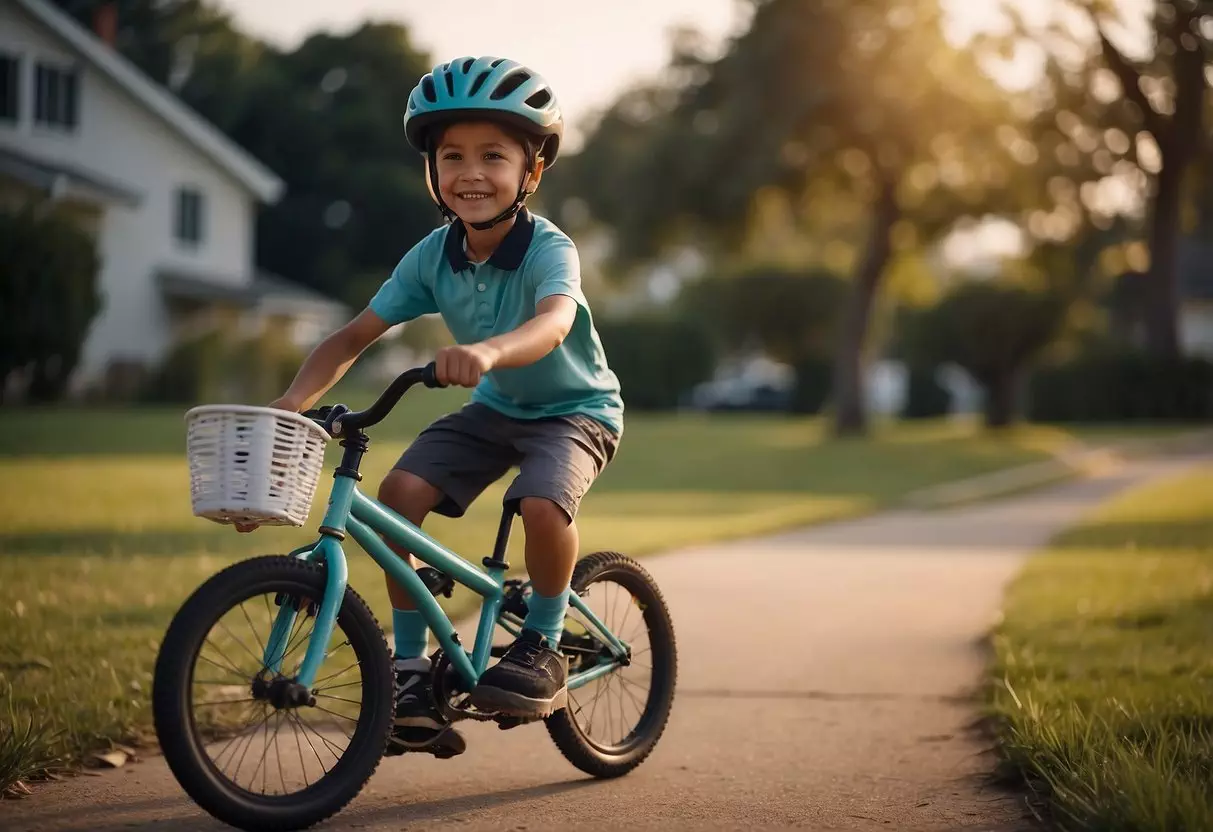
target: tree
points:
(1165, 95)
(993, 330)
(789, 314)
(48, 289)
(863, 100)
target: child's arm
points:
(464, 365)
(328, 362)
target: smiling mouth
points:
(474, 195)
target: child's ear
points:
(532, 183)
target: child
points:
(507, 284)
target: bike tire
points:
(566, 732)
(177, 732)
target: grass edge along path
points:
(1102, 679)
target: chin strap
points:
(514, 208)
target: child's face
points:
(480, 167)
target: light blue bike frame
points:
(365, 519)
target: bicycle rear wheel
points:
(220, 713)
(613, 723)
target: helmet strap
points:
(432, 163)
(508, 213)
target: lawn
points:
(1103, 677)
(98, 547)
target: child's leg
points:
(551, 554)
(561, 458)
(445, 468)
(413, 497)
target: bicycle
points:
(310, 584)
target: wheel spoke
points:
(278, 753)
(339, 699)
(254, 629)
(223, 702)
(265, 747)
(335, 675)
(237, 673)
(324, 739)
(247, 746)
(334, 687)
(298, 721)
(298, 745)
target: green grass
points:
(1103, 677)
(98, 547)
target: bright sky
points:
(588, 55)
(591, 54)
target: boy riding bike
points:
(507, 284)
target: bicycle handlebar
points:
(339, 419)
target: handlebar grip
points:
(429, 376)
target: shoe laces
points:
(526, 652)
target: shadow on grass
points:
(1178, 535)
(108, 542)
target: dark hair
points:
(531, 145)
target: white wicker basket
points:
(253, 464)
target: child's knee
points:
(540, 513)
(408, 494)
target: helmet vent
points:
(495, 62)
(450, 84)
(540, 99)
(467, 65)
(427, 89)
(478, 83)
(511, 83)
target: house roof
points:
(48, 176)
(196, 130)
(265, 289)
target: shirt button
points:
(480, 287)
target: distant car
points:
(740, 394)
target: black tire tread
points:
(561, 725)
(178, 750)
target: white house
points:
(171, 200)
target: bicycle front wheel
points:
(230, 732)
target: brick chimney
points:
(105, 21)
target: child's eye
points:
(493, 154)
(453, 157)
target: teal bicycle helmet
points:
(489, 88)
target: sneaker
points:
(419, 726)
(528, 682)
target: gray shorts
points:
(465, 452)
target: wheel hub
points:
(282, 693)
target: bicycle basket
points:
(253, 464)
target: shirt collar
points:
(509, 253)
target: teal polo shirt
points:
(477, 301)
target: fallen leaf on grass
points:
(114, 759)
(17, 791)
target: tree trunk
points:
(1162, 284)
(1002, 395)
(1179, 141)
(850, 417)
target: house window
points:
(10, 87)
(189, 227)
(56, 97)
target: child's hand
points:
(285, 403)
(464, 364)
